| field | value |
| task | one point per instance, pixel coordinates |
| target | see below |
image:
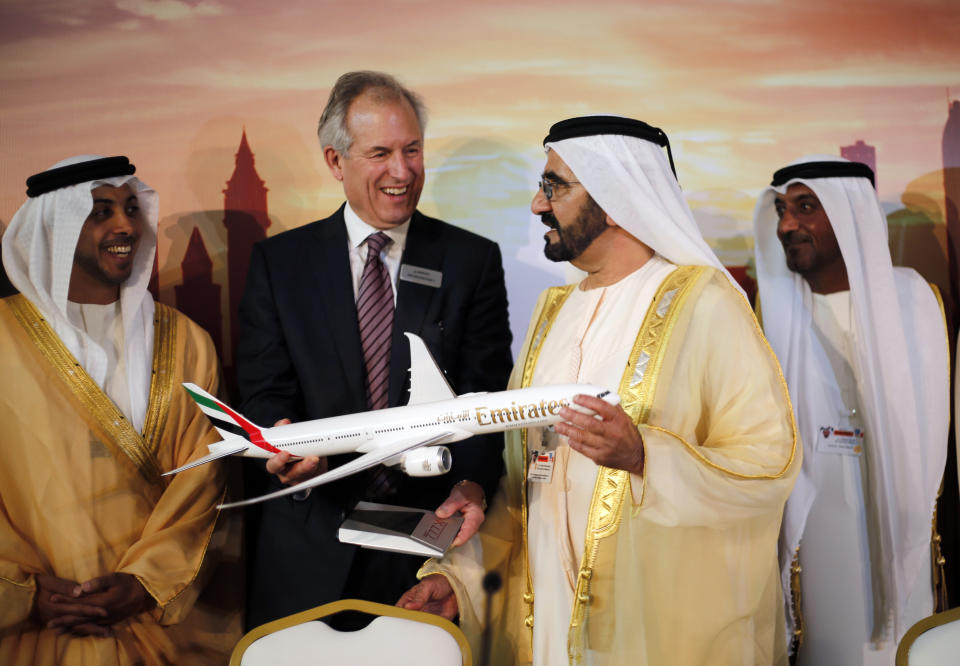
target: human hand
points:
(434, 595)
(611, 440)
(466, 497)
(117, 595)
(54, 601)
(291, 473)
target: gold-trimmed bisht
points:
(121, 436)
(636, 391)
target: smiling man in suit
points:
(322, 323)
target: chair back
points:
(397, 636)
(933, 641)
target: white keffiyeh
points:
(631, 180)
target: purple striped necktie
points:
(375, 315)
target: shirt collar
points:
(358, 230)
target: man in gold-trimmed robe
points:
(651, 538)
(102, 560)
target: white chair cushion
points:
(386, 640)
(936, 646)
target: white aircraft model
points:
(410, 436)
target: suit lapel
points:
(423, 249)
(338, 310)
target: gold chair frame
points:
(369, 607)
(926, 624)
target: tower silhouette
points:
(951, 190)
(863, 153)
(198, 296)
(246, 220)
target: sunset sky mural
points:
(740, 87)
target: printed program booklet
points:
(399, 529)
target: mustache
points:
(794, 237)
(550, 220)
(122, 239)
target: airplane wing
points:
(222, 453)
(365, 461)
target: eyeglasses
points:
(547, 187)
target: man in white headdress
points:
(101, 559)
(864, 350)
(646, 533)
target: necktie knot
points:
(376, 242)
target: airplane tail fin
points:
(427, 382)
(229, 423)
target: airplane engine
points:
(427, 461)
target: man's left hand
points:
(612, 440)
(121, 595)
(466, 497)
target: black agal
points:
(593, 125)
(809, 170)
(83, 172)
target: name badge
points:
(418, 275)
(541, 467)
(845, 439)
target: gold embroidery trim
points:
(938, 561)
(162, 379)
(93, 400)
(656, 328)
(554, 300)
(606, 505)
(695, 451)
(29, 584)
(796, 602)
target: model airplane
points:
(411, 436)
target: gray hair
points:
(332, 130)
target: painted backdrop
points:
(217, 101)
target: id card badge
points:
(845, 438)
(541, 467)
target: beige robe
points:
(81, 496)
(682, 569)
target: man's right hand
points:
(434, 595)
(292, 473)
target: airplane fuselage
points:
(468, 415)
